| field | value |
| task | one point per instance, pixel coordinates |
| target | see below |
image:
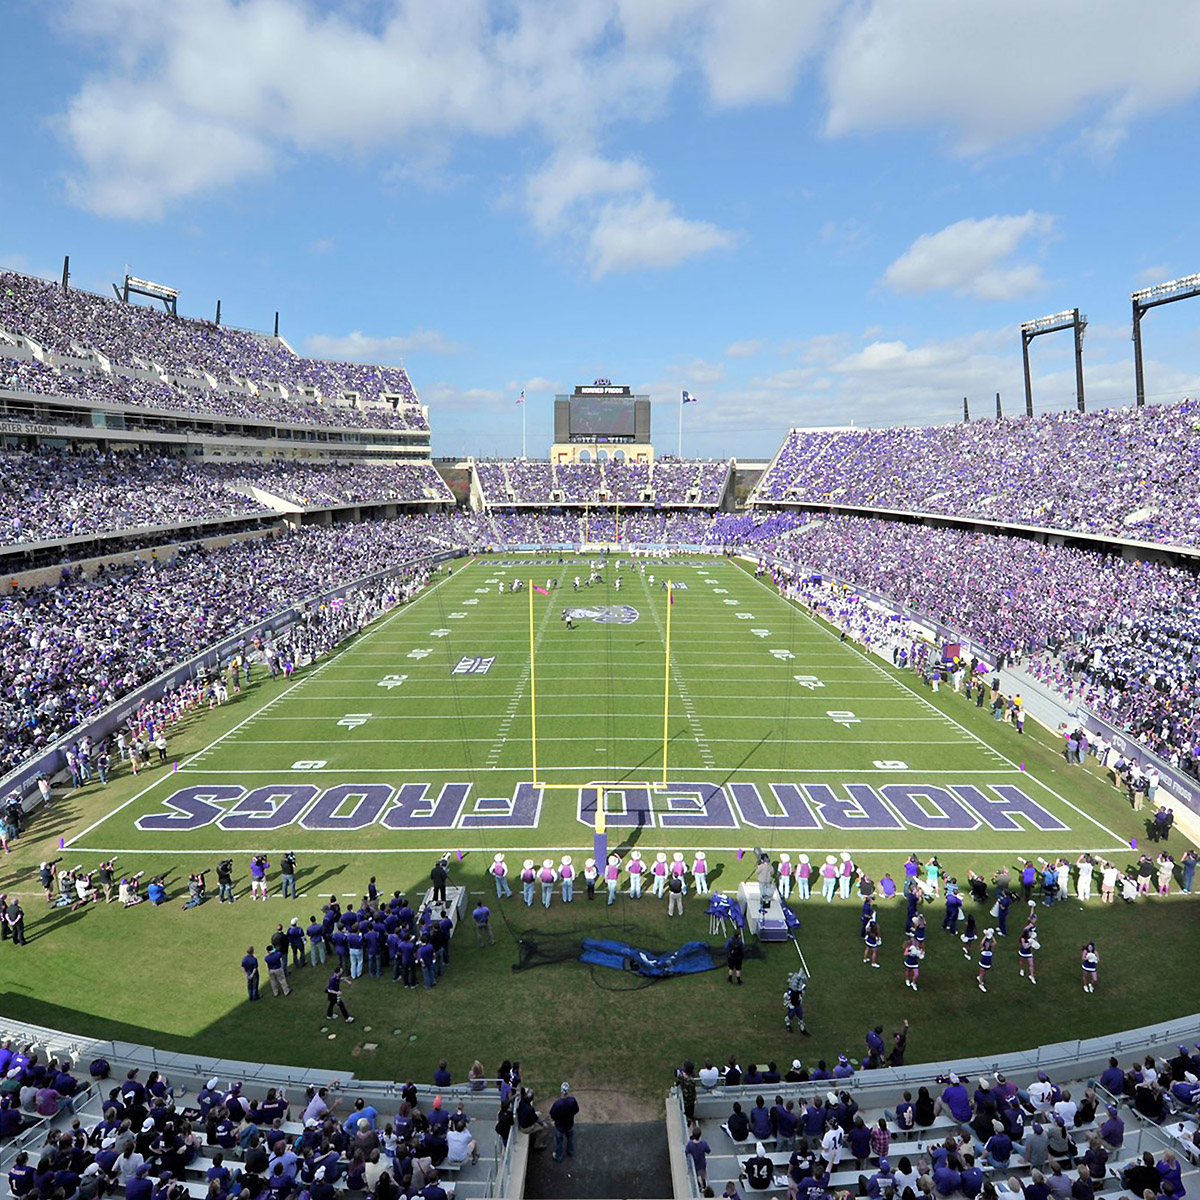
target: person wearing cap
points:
(659, 870)
(954, 1097)
(566, 873)
(208, 1096)
(612, 877)
(482, 916)
(678, 869)
(528, 881)
(563, 1113)
(881, 1183)
(803, 877)
(499, 873)
(636, 869)
(758, 1171)
(829, 877)
(547, 876)
(999, 1147)
(275, 973)
(846, 870)
(590, 875)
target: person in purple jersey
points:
(333, 994)
(250, 969)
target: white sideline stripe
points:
(590, 738)
(974, 736)
(70, 845)
(558, 714)
(581, 847)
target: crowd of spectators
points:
(1129, 472)
(670, 481)
(70, 649)
(151, 1144)
(52, 494)
(1118, 635)
(129, 354)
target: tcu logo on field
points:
(605, 614)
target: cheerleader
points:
(803, 878)
(872, 941)
(867, 917)
(986, 949)
(969, 936)
(1091, 964)
(918, 930)
(635, 870)
(913, 953)
(1025, 950)
(785, 877)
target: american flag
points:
(521, 397)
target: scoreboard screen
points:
(601, 417)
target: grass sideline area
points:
(416, 701)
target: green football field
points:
(420, 736)
(416, 739)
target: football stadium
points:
(417, 786)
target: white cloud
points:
(539, 383)
(1149, 276)
(968, 258)
(648, 232)
(754, 49)
(575, 178)
(322, 245)
(993, 71)
(744, 349)
(361, 347)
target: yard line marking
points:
(973, 736)
(310, 673)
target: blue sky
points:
(803, 211)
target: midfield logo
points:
(605, 614)
(473, 666)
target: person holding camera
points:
(259, 865)
(225, 880)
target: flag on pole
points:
(540, 589)
(521, 397)
(670, 593)
(688, 398)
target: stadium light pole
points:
(1069, 318)
(1152, 297)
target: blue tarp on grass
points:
(690, 959)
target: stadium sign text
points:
(1002, 808)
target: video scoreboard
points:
(602, 412)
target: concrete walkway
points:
(610, 1161)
